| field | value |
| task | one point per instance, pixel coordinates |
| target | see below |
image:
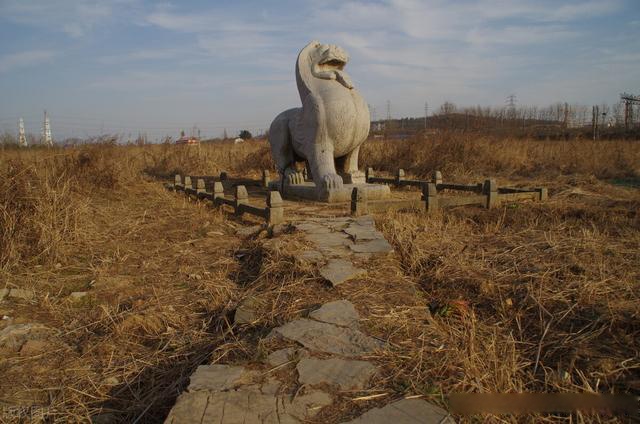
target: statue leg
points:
(348, 168)
(282, 147)
(323, 167)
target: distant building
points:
(187, 139)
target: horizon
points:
(134, 66)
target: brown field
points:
(531, 297)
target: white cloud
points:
(76, 18)
(25, 59)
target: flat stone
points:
(329, 240)
(247, 311)
(339, 312)
(360, 233)
(14, 336)
(34, 347)
(312, 227)
(328, 338)
(245, 407)
(249, 231)
(281, 356)
(405, 411)
(312, 256)
(4, 293)
(373, 246)
(337, 271)
(23, 294)
(218, 377)
(77, 295)
(347, 374)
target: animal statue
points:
(329, 128)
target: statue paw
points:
(332, 182)
(292, 176)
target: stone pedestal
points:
(307, 191)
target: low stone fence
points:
(486, 194)
(273, 213)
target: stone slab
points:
(247, 311)
(281, 356)
(347, 374)
(328, 338)
(373, 246)
(307, 191)
(219, 377)
(339, 312)
(337, 271)
(14, 336)
(405, 411)
(245, 407)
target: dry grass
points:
(535, 297)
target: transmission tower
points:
(46, 131)
(629, 101)
(22, 138)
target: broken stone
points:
(329, 241)
(347, 374)
(360, 232)
(337, 271)
(281, 356)
(405, 411)
(339, 312)
(312, 256)
(34, 347)
(23, 294)
(374, 246)
(77, 295)
(249, 231)
(245, 406)
(218, 377)
(246, 313)
(312, 227)
(328, 338)
(14, 336)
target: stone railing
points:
(273, 213)
(486, 194)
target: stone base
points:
(307, 191)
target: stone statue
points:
(329, 128)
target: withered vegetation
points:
(526, 297)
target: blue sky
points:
(124, 66)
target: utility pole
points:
(46, 131)
(426, 112)
(22, 138)
(388, 125)
(595, 117)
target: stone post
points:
(275, 208)
(359, 201)
(200, 186)
(430, 197)
(218, 192)
(187, 182)
(223, 176)
(369, 174)
(399, 176)
(490, 189)
(266, 178)
(241, 198)
(542, 193)
(437, 177)
(177, 182)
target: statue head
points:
(324, 61)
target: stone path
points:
(339, 244)
(326, 352)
